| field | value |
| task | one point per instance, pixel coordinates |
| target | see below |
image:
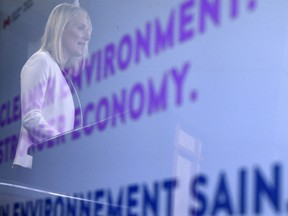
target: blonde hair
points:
(52, 37)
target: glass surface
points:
(180, 109)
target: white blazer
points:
(47, 107)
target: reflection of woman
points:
(46, 98)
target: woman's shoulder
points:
(40, 63)
(41, 56)
(40, 59)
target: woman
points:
(47, 105)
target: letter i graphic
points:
(251, 5)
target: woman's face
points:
(75, 36)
